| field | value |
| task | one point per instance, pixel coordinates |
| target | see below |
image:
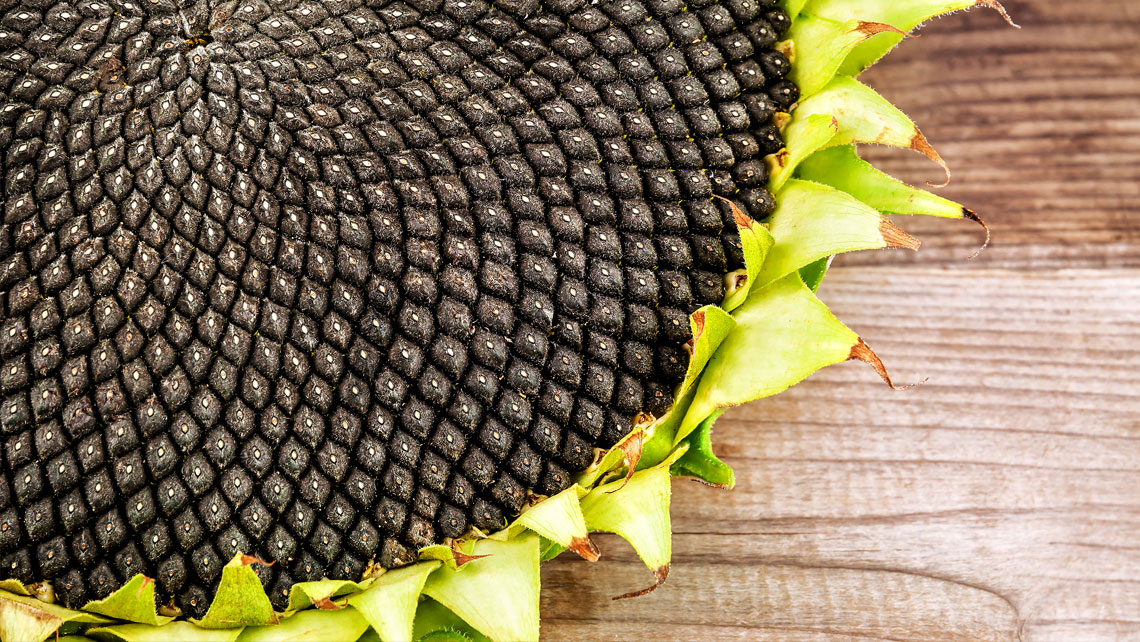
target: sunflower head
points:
(335, 319)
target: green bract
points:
(770, 332)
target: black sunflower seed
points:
(330, 283)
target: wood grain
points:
(1041, 127)
(1000, 500)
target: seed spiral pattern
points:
(325, 282)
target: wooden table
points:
(1001, 500)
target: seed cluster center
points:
(329, 281)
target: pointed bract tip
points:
(146, 582)
(660, 574)
(863, 352)
(248, 560)
(698, 318)
(973, 216)
(462, 558)
(996, 6)
(738, 214)
(923, 146)
(585, 548)
(872, 28)
(45, 592)
(712, 485)
(631, 455)
(326, 604)
(895, 237)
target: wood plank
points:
(1039, 125)
(998, 501)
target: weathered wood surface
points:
(1000, 500)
